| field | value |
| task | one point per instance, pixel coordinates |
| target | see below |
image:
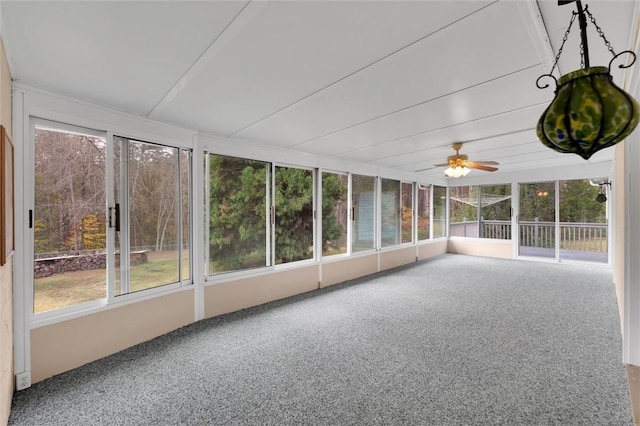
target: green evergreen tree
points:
(237, 226)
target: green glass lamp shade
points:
(588, 113)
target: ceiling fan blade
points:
(479, 166)
(442, 165)
(488, 163)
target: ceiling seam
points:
(538, 31)
(531, 142)
(448, 144)
(200, 58)
(474, 120)
(359, 70)
(414, 106)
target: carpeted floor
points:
(454, 340)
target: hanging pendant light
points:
(589, 112)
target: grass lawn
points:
(74, 287)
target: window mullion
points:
(207, 215)
(350, 217)
(271, 213)
(178, 207)
(111, 230)
(125, 243)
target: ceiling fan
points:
(459, 164)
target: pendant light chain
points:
(599, 30)
(564, 39)
(588, 112)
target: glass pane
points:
(185, 171)
(536, 220)
(407, 212)
(294, 214)
(154, 198)
(390, 213)
(363, 212)
(237, 213)
(495, 212)
(69, 219)
(423, 211)
(117, 164)
(439, 211)
(334, 213)
(463, 211)
(583, 221)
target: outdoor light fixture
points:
(457, 171)
(602, 192)
(589, 112)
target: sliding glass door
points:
(583, 221)
(564, 220)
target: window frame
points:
(110, 300)
(320, 197)
(125, 218)
(375, 246)
(314, 225)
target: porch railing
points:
(591, 237)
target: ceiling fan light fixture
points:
(456, 172)
(458, 165)
(589, 112)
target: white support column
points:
(631, 327)
(22, 261)
(631, 202)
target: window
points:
(439, 211)
(149, 244)
(363, 217)
(424, 211)
(495, 212)
(69, 220)
(537, 219)
(334, 213)
(293, 194)
(111, 217)
(492, 202)
(237, 213)
(185, 175)
(463, 211)
(407, 212)
(260, 214)
(390, 214)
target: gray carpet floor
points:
(453, 340)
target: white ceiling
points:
(387, 83)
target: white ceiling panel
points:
(447, 112)
(122, 54)
(409, 150)
(377, 84)
(287, 51)
(460, 56)
(612, 16)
